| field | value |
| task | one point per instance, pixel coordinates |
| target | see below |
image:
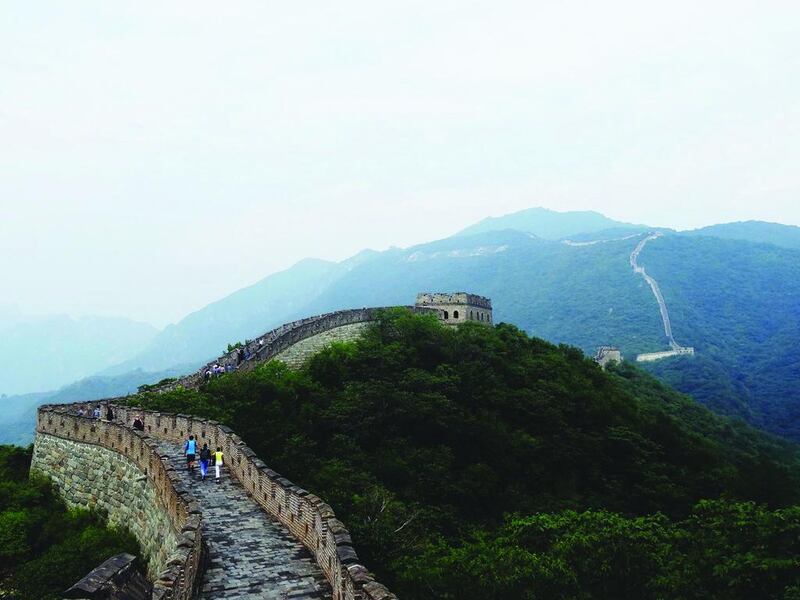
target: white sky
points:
(155, 156)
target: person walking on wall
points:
(138, 423)
(190, 447)
(217, 463)
(205, 459)
(96, 412)
(109, 413)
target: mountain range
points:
(732, 291)
(45, 352)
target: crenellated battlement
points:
(307, 517)
(111, 467)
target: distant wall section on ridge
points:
(316, 331)
(298, 353)
(294, 342)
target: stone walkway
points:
(250, 555)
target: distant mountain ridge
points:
(44, 353)
(549, 224)
(786, 236)
(736, 301)
(243, 314)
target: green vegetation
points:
(480, 463)
(45, 548)
(235, 346)
(739, 305)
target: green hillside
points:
(481, 463)
(45, 547)
(735, 301)
(738, 303)
(786, 236)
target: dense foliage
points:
(45, 548)
(739, 305)
(470, 462)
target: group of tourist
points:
(207, 458)
(243, 354)
(95, 412)
(216, 370)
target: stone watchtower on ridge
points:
(458, 307)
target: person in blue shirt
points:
(190, 447)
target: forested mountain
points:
(735, 301)
(479, 463)
(787, 236)
(43, 353)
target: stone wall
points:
(100, 479)
(297, 354)
(308, 518)
(104, 465)
(271, 344)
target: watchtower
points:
(458, 307)
(607, 354)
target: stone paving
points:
(250, 555)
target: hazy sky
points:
(157, 156)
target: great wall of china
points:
(675, 348)
(258, 535)
(606, 354)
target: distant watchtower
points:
(458, 307)
(606, 355)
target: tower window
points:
(446, 315)
(455, 314)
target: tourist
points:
(96, 412)
(240, 356)
(138, 423)
(190, 447)
(109, 413)
(217, 462)
(207, 375)
(81, 412)
(205, 459)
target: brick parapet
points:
(307, 517)
(183, 573)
